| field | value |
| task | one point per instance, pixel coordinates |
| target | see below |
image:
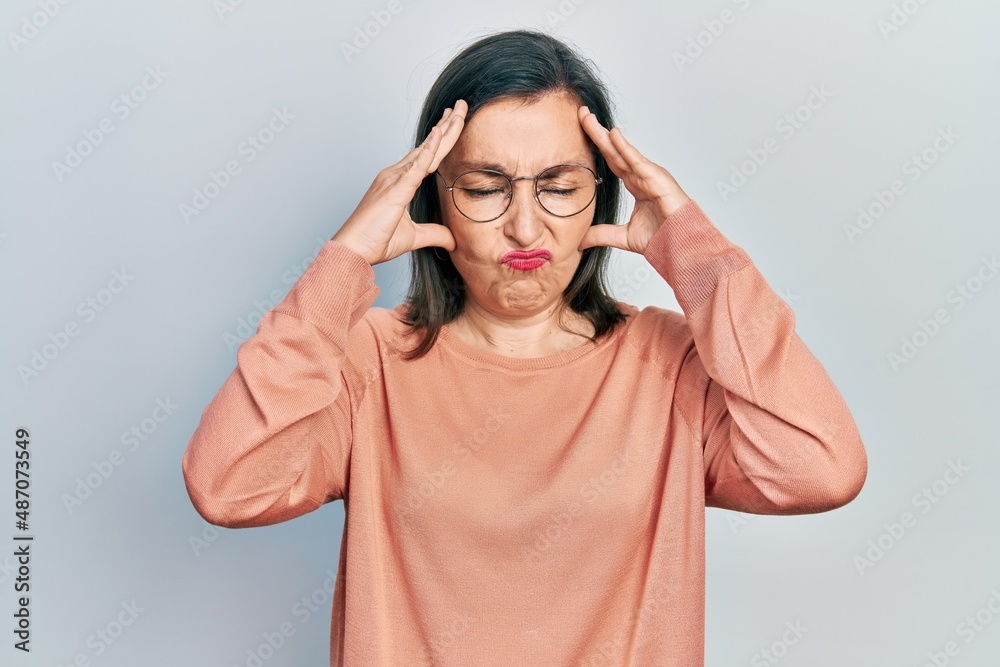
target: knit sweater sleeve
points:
(275, 441)
(777, 436)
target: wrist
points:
(353, 245)
(671, 204)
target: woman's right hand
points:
(380, 228)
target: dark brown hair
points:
(516, 64)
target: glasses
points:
(483, 195)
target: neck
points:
(535, 335)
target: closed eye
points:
(483, 193)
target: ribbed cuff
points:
(339, 284)
(692, 255)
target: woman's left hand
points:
(656, 193)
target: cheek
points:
(472, 251)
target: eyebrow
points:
(468, 165)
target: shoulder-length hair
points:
(516, 64)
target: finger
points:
(432, 234)
(419, 167)
(614, 236)
(404, 162)
(636, 160)
(452, 131)
(430, 142)
(445, 119)
(400, 182)
(601, 137)
(598, 133)
(652, 180)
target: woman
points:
(524, 461)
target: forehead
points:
(514, 136)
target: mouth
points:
(526, 260)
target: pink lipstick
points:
(526, 260)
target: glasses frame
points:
(510, 197)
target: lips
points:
(538, 253)
(526, 260)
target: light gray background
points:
(163, 336)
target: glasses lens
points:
(482, 195)
(566, 190)
(563, 190)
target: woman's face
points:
(520, 140)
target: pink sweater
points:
(509, 511)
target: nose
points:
(524, 217)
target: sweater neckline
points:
(458, 346)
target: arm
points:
(275, 441)
(777, 436)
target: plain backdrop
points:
(849, 147)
